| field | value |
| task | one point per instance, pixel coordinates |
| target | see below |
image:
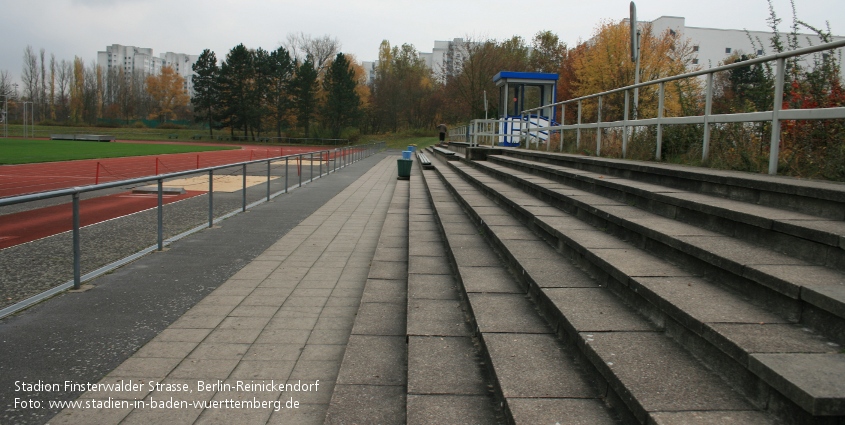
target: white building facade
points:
(713, 45)
(141, 59)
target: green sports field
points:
(26, 151)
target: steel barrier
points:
(346, 154)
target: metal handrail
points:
(340, 157)
(776, 115)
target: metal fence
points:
(488, 131)
(333, 159)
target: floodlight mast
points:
(635, 55)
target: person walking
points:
(442, 129)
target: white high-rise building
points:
(712, 46)
(131, 59)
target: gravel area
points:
(31, 268)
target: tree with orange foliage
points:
(603, 63)
(167, 91)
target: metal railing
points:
(335, 159)
(528, 131)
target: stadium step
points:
(411, 357)
(536, 377)
(710, 307)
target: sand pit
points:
(221, 183)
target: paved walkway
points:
(284, 318)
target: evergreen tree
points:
(237, 75)
(342, 102)
(305, 94)
(281, 73)
(206, 93)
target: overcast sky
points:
(69, 28)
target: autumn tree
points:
(481, 63)
(547, 53)
(206, 91)
(342, 102)
(605, 64)
(167, 91)
(402, 87)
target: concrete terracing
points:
(504, 286)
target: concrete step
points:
(371, 383)
(813, 239)
(818, 198)
(536, 377)
(447, 382)
(675, 300)
(794, 289)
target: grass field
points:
(25, 151)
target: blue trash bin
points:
(406, 154)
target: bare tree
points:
(42, 92)
(321, 50)
(64, 77)
(29, 76)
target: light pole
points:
(4, 116)
(635, 55)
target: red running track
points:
(31, 178)
(28, 226)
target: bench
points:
(172, 136)
(196, 137)
(424, 161)
(450, 156)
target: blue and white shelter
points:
(519, 91)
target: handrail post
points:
(321, 164)
(299, 169)
(211, 198)
(625, 126)
(578, 130)
(659, 149)
(268, 180)
(311, 165)
(77, 275)
(286, 174)
(774, 146)
(160, 209)
(243, 195)
(598, 129)
(562, 123)
(708, 109)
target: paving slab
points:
(358, 404)
(700, 301)
(506, 313)
(488, 279)
(651, 373)
(380, 319)
(816, 382)
(432, 286)
(452, 409)
(557, 274)
(574, 411)
(436, 317)
(594, 310)
(535, 366)
(740, 417)
(393, 291)
(444, 365)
